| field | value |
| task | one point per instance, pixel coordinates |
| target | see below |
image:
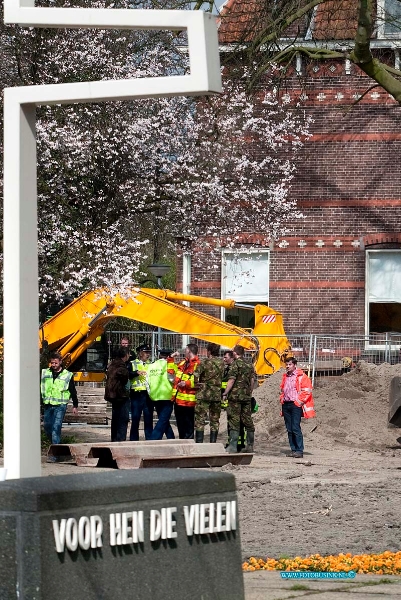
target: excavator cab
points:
(94, 360)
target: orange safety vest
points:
(185, 372)
(303, 386)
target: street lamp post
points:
(159, 271)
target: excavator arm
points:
(75, 327)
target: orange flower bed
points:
(386, 563)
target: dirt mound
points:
(351, 409)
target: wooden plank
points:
(91, 409)
(143, 444)
(89, 419)
(81, 453)
(219, 460)
(130, 456)
(76, 452)
(126, 451)
(113, 454)
(148, 453)
(159, 449)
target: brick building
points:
(339, 270)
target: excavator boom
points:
(72, 330)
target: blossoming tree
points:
(119, 182)
(232, 180)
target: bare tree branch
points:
(276, 34)
(362, 55)
(279, 26)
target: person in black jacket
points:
(125, 344)
(117, 392)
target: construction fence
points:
(319, 355)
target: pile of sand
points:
(351, 409)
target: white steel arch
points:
(21, 312)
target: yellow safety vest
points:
(55, 391)
(139, 382)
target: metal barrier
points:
(318, 355)
(165, 339)
(302, 350)
(333, 355)
(301, 344)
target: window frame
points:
(228, 251)
(381, 23)
(368, 254)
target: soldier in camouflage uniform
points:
(208, 377)
(239, 393)
(228, 359)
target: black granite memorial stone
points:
(147, 534)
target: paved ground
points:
(344, 499)
(268, 585)
(372, 519)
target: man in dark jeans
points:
(117, 392)
(140, 401)
(57, 387)
(296, 402)
(161, 376)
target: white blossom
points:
(122, 183)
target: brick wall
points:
(348, 186)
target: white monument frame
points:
(22, 455)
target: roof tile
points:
(241, 20)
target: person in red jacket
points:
(297, 402)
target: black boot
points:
(232, 446)
(228, 438)
(250, 440)
(213, 437)
(199, 437)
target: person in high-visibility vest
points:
(140, 401)
(184, 393)
(161, 375)
(57, 387)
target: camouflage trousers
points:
(203, 409)
(237, 412)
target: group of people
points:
(137, 385)
(196, 390)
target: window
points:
(245, 279)
(383, 291)
(389, 18)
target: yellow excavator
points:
(76, 327)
